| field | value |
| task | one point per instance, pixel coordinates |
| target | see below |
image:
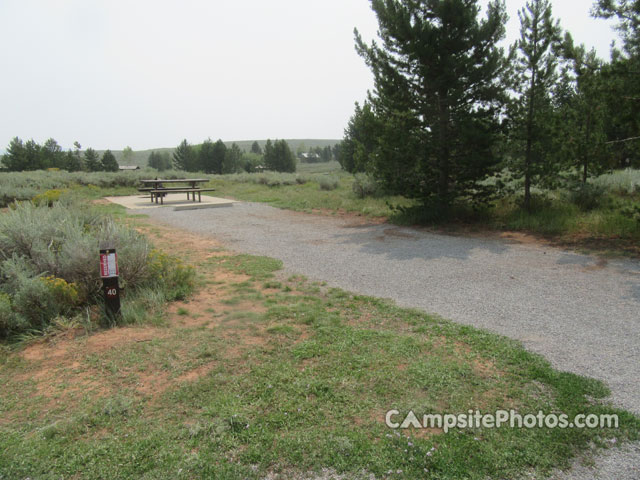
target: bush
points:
(18, 186)
(632, 212)
(176, 277)
(364, 186)
(586, 197)
(49, 264)
(328, 183)
(8, 319)
(48, 198)
(621, 182)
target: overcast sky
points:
(148, 73)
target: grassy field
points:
(262, 373)
(284, 191)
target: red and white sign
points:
(108, 265)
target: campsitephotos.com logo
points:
(500, 419)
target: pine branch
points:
(622, 141)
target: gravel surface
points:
(581, 313)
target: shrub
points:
(48, 197)
(540, 201)
(26, 185)
(8, 320)
(34, 304)
(328, 183)
(632, 212)
(621, 182)
(49, 264)
(586, 196)
(364, 186)
(177, 278)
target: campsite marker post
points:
(109, 273)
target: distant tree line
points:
(318, 154)
(29, 155)
(451, 109)
(217, 158)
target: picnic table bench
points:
(157, 190)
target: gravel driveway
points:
(581, 313)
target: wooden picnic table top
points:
(176, 180)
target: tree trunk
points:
(528, 153)
(585, 155)
(443, 153)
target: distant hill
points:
(140, 157)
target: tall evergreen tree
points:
(15, 158)
(437, 96)
(72, 162)
(623, 81)
(92, 160)
(109, 162)
(52, 155)
(278, 157)
(536, 75)
(268, 158)
(206, 157)
(219, 154)
(255, 148)
(127, 155)
(184, 157)
(360, 139)
(159, 160)
(232, 159)
(153, 160)
(627, 12)
(582, 115)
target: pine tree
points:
(536, 75)
(219, 154)
(268, 158)
(52, 155)
(153, 161)
(72, 162)
(184, 157)
(360, 139)
(109, 163)
(628, 14)
(232, 159)
(437, 96)
(255, 148)
(127, 155)
(278, 157)
(15, 158)
(206, 157)
(582, 114)
(91, 160)
(165, 161)
(622, 77)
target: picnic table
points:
(158, 190)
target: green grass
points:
(298, 384)
(309, 196)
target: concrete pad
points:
(176, 201)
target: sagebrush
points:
(49, 264)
